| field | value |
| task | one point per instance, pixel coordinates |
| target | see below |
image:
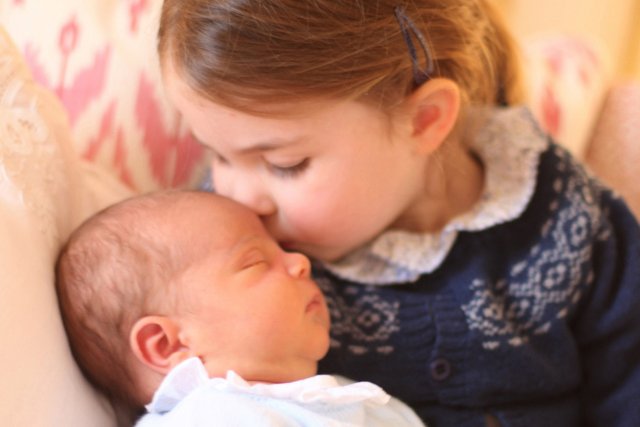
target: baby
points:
(183, 300)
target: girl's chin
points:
(287, 246)
(323, 254)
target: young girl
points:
(472, 267)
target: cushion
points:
(567, 79)
(99, 59)
(45, 192)
(614, 150)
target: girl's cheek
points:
(313, 221)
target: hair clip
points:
(407, 26)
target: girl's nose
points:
(298, 265)
(248, 190)
(258, 202)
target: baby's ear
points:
(155, 340)
(433, 108)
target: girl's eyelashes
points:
(219, 159)
(289, 171)
(280, 170)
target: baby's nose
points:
(298, 265)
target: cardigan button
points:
(440, 369)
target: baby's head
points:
(156, 279)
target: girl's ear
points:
(155, 341)
(433, 109)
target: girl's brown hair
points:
(247, 54)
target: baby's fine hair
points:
(114, 269)
(246, 54)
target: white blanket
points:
(187, 397)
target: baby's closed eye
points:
(253, 258)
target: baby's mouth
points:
(315, 303)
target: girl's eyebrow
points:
(269, 145)
(260, 146)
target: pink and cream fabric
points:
(45, 191)
(567, 79)
(99, 59)
(614, 150)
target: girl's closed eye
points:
(290, 170)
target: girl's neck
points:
(453, 184)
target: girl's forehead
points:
(209, 122)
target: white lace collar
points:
(191, 375)
(509, 145)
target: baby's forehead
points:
(222, 212)
(214, 217)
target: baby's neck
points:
(266, 374)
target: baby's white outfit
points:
(188, 397)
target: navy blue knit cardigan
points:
(535, 321)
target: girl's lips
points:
(286, 245)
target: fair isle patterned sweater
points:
(526, 309)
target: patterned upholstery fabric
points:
(99, 59)
(614, 149)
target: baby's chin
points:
(323, 348)
(276, 372)
(278, 377)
